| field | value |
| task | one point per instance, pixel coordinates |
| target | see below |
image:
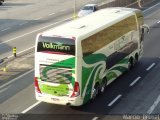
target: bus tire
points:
(130, 63)
(103, 86)
(136, 58)
(94, 92)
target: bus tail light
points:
(76, 90)
(36, 85)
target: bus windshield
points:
(56, 45)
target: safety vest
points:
(14, 50)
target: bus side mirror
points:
(145, 28)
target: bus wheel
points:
(94, 92)
(130, 63)
(103, 86)
(136, 58)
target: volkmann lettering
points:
(56, 47)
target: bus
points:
(76, 61)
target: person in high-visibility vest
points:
(14, 51)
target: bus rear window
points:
(56, 45)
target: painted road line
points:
(32, 106)
(103, 3)
(52, 25)
(51, 14)
(113, 101)
(23, 23)
(38, 18)
(6, 29)
(95, 118)
(151, 109)
(135, 81)
(35, 30)
(6, 88)
(151, 7)
(131, 4)
(15, 79)
(22, 51)
(158, 22)
(152, 65)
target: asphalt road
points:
(21, 20)
(136, 92)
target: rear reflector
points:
(36, 85)
(76, 91)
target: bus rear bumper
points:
(76, 101)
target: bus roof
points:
(90, 24)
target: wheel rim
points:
(94, 93)
(103, 88)
(136, 58)
(130, 64)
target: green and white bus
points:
(75, 61)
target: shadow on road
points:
(4, 48)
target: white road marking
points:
(51, 14)
(22, 51)
(103, 3)
(113, 101)
(151, 7)
(151, 109)
(23, 23)
(136, 80)
(35, 31)
(131, 4)
(15, 79)
(158, 22)
(152, 65)
(32, 106)
(6, 88)
(95, 118)
(6, 29)
(38, 18)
